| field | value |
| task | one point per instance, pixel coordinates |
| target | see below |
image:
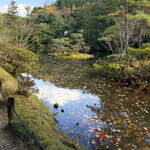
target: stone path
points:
(7, 140)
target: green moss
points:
(75, 56)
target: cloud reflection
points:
(52, 94)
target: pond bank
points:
(36, 117)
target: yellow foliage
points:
(1, 21)
(75, 56)
(116, 13)
(147, 5)
(49, 10)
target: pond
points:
(90, 109)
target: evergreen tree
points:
(13, 8)
(12, 14)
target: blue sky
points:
(27, 2)
(22, 3)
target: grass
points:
(37, 118)
(77, 56)
(10, 83)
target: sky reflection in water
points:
(76, 119)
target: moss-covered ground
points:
(75, 56)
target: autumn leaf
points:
(127, 134)
(139, 139)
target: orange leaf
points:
(140, 139)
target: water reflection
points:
(119, 120)
(54, 94)
(74, 115)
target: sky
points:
(22, 3)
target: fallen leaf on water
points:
(139, 139)
(126, 135)
(90, 130)
(117, 126)
(83, 123)
(92, 127)
(93, 142)
(97, 135)
(71, 131)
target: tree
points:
(28, 13)
(13, 8)
(121, 34)
(70, 3)
(61, 45)
(143, 17)
(91, 20)
(45, 35)
(1, 18)
(21, 30)
(20, 60)
(35, 9)
(78, 43)
(12, 12)
(75, 44)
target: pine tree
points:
(13, 8)
(12, 12)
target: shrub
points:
(20, 60)
(146, 45)
(24, 85)
(114, 57)
(140, 54)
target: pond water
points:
(92, 111)
(74, 116)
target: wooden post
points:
(10, 105)
(0, 90)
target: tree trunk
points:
(126, 26)
(141, 29)
(36, 47)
